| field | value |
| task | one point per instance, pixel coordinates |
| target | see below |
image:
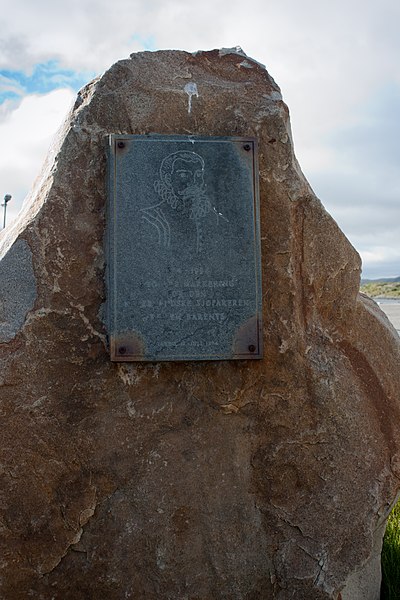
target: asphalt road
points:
(393, 312)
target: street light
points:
(7, 199)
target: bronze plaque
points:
(183, 248)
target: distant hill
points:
(382, 280)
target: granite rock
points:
(204, 480)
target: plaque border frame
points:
(128, 347)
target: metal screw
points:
(122, 350)
(121, 144)
(247, 147)
(252, 348)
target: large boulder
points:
(230, 480)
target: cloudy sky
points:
(337, 63)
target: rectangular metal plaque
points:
(183, 248)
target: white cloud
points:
(25, 135)
(330, 59)
(380, 261)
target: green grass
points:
(391, 557)
(388, 290)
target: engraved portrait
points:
(180, 215)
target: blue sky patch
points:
(44, 78)
(148, 42)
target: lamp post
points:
(7, 199)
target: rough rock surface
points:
(197, 481)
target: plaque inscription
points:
(183, 248)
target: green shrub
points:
(388, 290)
(391, 557)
